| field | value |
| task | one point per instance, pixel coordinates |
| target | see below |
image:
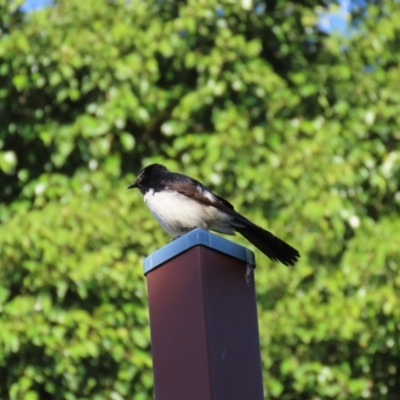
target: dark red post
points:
(203, 320)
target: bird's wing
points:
(197, 191)
(192, 188)
(225, 202)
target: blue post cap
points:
(197, 237)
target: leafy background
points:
(299, 129)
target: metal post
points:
(203, 320)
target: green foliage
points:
(298, 129)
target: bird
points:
(180, 204)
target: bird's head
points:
(147, 175)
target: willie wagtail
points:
(180, 204)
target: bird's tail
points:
(273, 247)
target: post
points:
(203, 320)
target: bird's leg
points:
(185, 230)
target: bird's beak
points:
(134, 185)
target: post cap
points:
(197, 237)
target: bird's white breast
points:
(178, 214)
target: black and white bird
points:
(180, 204)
